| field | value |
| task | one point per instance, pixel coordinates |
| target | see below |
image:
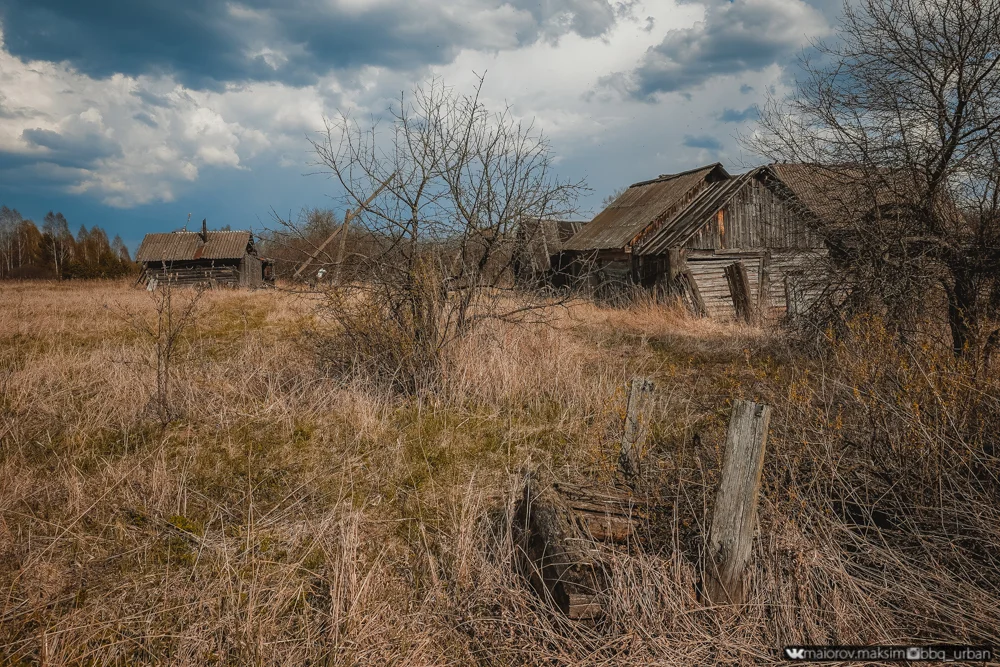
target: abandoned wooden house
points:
(730, 245)
(215, 258)
(539, 248)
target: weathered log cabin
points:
(728, 244)
(215, 258)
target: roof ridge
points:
(667, 177)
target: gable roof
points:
(642, 208)
(694, 216)
(187, 246)
(839, 194)
(825, 191)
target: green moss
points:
(185, 524)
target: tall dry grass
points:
(291, 516)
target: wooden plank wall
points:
(251, 271)
(803, 269)
(194, 275)
(710, 274)
(755, 218)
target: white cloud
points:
(134, 140)
(137, 140)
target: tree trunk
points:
(962, 314)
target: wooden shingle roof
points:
(187, 246)
(643, 208)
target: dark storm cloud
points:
(704, 141)
(734, 116)
(735, 37)
(71, 151)
(207, 43)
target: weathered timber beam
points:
(636, 425)
(690, 294)
(730, 538)
(560, 561)
(342, 231)
(739, 288)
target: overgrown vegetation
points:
(329, 477)
(295, 514)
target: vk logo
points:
(795, 653)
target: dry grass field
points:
(291, 516)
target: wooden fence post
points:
(730, 538)
(636, 425)
(739, 287)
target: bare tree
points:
(58, 240)
(615, 194)
(172, 316)
(438, 194)
(10, 222)
(902, 114)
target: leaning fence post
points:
(730, 538)
(636, 425)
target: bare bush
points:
(438, 196)
(170, 320)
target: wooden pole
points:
(636, 425)
(342, 231)
(730, 538)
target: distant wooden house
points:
(539, 250)
(216, 258)
(729, 244)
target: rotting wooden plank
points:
(739, 288)
(561, 562)
(636, 425)
(606, 514)
(730, 538)
(687, 287)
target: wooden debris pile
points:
(559, 526)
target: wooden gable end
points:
(755, 217)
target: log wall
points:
(185, 274)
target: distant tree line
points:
(53, 252)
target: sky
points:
(131, 114)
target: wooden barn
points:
(216, 258)
(730, 245)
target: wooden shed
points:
(217, 258)
(539, 248)
(732, 244)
